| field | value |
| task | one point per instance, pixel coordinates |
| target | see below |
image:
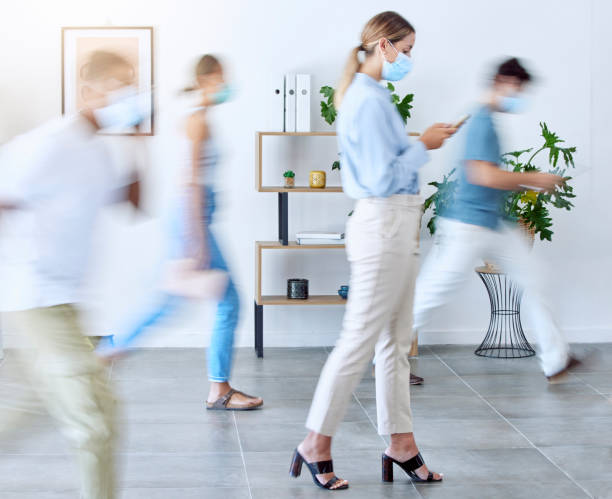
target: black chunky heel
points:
(296, 464)
(408, 466)
(387, 468)
(315, 469)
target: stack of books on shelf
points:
(308, 237)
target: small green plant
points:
(289, 174)
(529, 207)
(336, 165)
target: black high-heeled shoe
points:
(315, 469)
(408, 466)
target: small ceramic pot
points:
(343, 291)
(289, 182)
(317, 179)
(297, 289)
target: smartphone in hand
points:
(461, 121)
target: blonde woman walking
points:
(380, 170)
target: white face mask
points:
(126, 108)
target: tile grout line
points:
(369, 418)
(577, 375)
(328, 350)
(514, 427)
(246, 473)
(381, 437)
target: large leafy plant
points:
(404, 105)
(329, 112)
(440, 199)
(529, 207)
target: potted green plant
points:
(289, 179)
(529, 208)
(329, 112)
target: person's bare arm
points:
(489, 175)
(142, 161)
(197, 131)
(133, 194)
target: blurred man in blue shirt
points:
(473, 228)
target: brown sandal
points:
(224, 403)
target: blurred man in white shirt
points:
(57, 178)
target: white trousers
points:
(459, 247)
(382, 244)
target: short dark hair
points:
(513, 67)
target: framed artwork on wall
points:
(134, 44)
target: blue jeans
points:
(220, 351)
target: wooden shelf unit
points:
(261, 300)
(284, 244)
(259, 160)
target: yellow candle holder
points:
(317, 179)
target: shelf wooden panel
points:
(313, 134)
(294, 245)
(312, 300)
(299, 189)
(299, 134)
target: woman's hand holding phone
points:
(436, 134)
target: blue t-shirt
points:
(475, 204)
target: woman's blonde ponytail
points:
(350, 68)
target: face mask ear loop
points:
(396, 51)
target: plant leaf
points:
(328, 110)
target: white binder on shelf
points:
(276, 106)
(290, 99)
(302, 106)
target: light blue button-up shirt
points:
(376, 157)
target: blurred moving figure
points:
(197, 268)
(199, 241)
(380, 168)
(472, 228)
(62, 175)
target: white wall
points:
(565, 42)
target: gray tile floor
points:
(493, 427)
